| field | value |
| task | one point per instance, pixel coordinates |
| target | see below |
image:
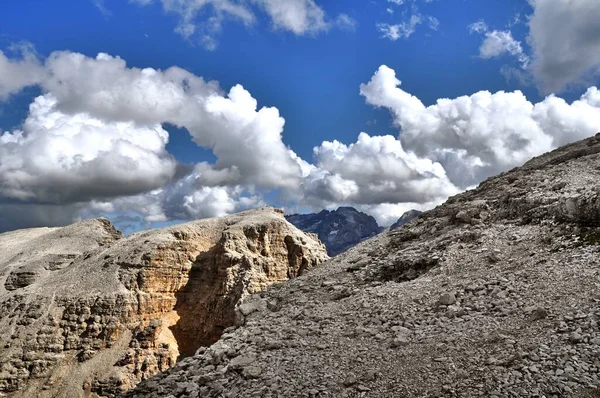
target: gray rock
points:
(575, 337)
(241, 361)
(447, 299)
(537, 314)
(252, 372)
(248, 308)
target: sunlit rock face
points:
(84, 311)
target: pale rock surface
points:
(86, 312)
(495, 293)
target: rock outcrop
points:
(86, 312)
(339, 229)
(494, 294)
(405, 218)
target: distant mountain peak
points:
(338, 229)
(406, 218)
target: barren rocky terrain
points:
(494, 294)
(86, 312)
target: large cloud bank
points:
(475, 136)
(94, 143)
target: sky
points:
(154, 112)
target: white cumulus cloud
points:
(22, 71)
(95, 138)
(245, 139)
(499, 42)
(371, 171)
(479, 135)
(60, 158)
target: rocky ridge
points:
(494, 294)
(339, 229)
(86, 312)
(405, 219)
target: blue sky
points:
(302, 76)
(312, 74)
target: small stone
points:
(575, 338)
(241, 361)
(463, 216)
(400, 341)
(537, 314)
(252, 306)
(350, 381)
(534, 357)
(252, 372)
(447, 299)
(401, 330)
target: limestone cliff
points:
(86, 312)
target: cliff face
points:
(339, 229)
(492, 294)
(85, 311)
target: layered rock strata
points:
(86, 312)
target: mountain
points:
(340, 229)
(86, 312)
(492, 294)
(405, 218)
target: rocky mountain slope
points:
(339, 229)
(494, 294)
(86, 312)
(405, 218)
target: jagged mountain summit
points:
(405, 218)
(494, 293)
(339, 229)
(85, 312)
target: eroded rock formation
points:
(86, 312)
